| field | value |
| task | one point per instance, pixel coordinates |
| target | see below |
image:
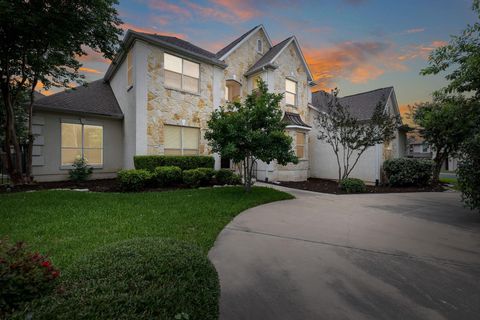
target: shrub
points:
(23, 276)
(194, 177)
(209, 175)
(352, 185)
(183, 162)
(408, 172)
(80, 171)
(133, 180)
(167, 176)
(469, 172)
(136, 279)
(225, 176)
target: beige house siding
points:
(176, 107)
(47, 158)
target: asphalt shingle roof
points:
(267, 57)
(361, 105)
(232, 44)
(95, 98)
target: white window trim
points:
(83, 124)
(294, 93)
(259, 50)
(181, 138)
(182, 75)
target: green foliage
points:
(167, 176)
(352, 185)
(24, 276)
(226, 176)
(198, 177)
(461, 57)
(350, 137)
(403, 172)
(81, 171)
(134, 180)
(469, 171)
(445, 124)
(20, 116)
(183, 162)
(250, 131)
(136, 279)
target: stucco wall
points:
(176, 107)
(48, 145)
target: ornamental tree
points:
(349, 136)
(251, 130)
(40, 42)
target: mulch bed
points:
(329, 186)
(102, 185)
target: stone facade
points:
(176, 107)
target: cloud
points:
(415, 30)
(88, 70)
(244, 10)
(168, 7)
(420, 51)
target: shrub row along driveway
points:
(382, 256)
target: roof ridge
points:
(359, 93)
(232, 44)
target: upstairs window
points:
(259, 46)
(290, 92)
(232, 91)
(181, 74)
(181, 140)
(82, 141)
(130, 68)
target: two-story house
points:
(157, 96)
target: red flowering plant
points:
(24, 276)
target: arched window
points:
(259, 46)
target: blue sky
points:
(355, 45)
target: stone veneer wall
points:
(170, 106)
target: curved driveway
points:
(377, 256)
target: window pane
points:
(300, 138)
(290, 98)
(190, 84)
(70, 155)
(290, 86)
(71, 135)
(299, 150)
(227, 97)
(190, 138)
(172, 137)
(173, 63)
(255, 81)
(173, 80)
(93, 136)
(172, 152)
(93, 156)
(191, 69)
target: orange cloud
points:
(127, 26)
(165, 7)
(88, 70)
(245, 10)
(420, 51)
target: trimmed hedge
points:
(183, 162)
(352, 185)
(195, 177)
(225, 176)
(167, 176)
(133, 180)
(404, 172)
(136, 279)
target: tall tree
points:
(349, 136)
(445, 124)
(251, 130)
(40, 42)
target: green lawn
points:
(68, 224)
(453, 181)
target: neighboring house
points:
(157, 96)
(418, 147)
(323, 163)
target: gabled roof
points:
(269, 58)
(96, 98)
(225, 52)
(266, 60)
(294, 119)
(361, 105)
(170, 43)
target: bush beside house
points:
(352, 185)
(183, 162)
(404, 172)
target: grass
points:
(452, 181)
(67, 224)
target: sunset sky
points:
(355, 45)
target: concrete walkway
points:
(381, 256)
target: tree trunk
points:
(14, 168)
(437, 167)
(29, 151)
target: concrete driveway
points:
(382, 256)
